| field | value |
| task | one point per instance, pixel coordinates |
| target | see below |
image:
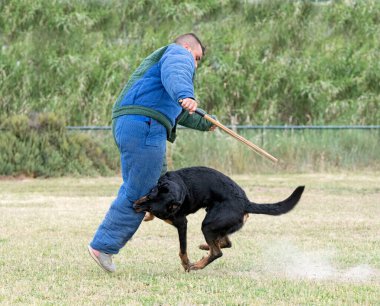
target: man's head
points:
(192, 43)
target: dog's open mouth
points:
(140, 205)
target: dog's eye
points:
(153, 193)
(164, 189)
(173, 206)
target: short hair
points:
(191, 39)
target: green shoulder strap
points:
(140, 71)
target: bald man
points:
(145, 116)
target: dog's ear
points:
(176, 193)
(164, 188)
(179, 195)
(163, 184)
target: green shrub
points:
(40, 145)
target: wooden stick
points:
(235, 135)
(241, 139)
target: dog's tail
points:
(279, 208)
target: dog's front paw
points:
(200, 264)
(194, 267)
(187, 266)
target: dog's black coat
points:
(185, 191)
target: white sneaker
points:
(102, 259)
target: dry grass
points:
(326, 251)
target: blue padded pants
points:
(142, 144)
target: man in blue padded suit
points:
(144, 116)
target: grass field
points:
(326, 251)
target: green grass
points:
(326, 251)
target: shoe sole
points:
(96, 259)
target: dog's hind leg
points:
(218, 224)
(224, 243)
(214, 253)
(212, 239)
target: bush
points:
(39, 145)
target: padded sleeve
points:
(194, 121)
(177, 70)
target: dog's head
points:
(164, 200)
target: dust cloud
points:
(284, 258)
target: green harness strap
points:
(144, 111)
(147, 63)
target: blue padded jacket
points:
(162, 79)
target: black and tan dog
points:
(185, 191)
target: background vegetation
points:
(40, 145)
(268, 62)
(297, 151)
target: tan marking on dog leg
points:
(214, 253)
(246, 216)
(185, 262)
(224, 242)
(169, 221)
(148, 217)
(204, 246)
